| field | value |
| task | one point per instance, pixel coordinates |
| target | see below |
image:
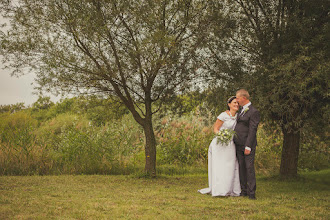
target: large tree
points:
(141, 51)
(287, 43)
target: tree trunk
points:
(150, 145)
(150, 148)
(290, 152)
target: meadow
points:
(81, 159)
(164, 197)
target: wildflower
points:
(188, 127)
(174, 124)
(164, 121)
(205, 130)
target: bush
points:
(184, 141)
(80, 147)
(17, 140)
(314, 153)
(268, 152)
(76, 143)
(67, 144)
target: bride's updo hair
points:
(230, 100)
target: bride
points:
(222, 163)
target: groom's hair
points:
(244, 93)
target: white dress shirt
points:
(245, 106)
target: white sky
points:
(14, 90)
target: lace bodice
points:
(228, 121)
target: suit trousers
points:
(247, 174)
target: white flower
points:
(225, 136)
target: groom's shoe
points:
(253, 197)
(243, 194)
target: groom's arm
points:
(253, 127)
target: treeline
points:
(146, 52)
(93, 135)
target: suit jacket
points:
(246, 129)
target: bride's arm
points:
(217, 125)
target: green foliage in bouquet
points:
(224, 136)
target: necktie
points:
(242, 112)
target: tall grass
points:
(72, 144)
(183, 140)
(67, 144)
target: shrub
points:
(184, 140)
(268, 152)
(17, 139)
(70, 143)
(314, 152)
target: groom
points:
(246, 142)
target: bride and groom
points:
(231, 165)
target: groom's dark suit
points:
(246, 130)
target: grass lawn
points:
(166, 197)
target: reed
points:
(72, 144)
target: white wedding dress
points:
(222, 164)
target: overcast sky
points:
(14, 90)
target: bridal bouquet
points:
(225, 136)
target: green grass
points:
(165, 197)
